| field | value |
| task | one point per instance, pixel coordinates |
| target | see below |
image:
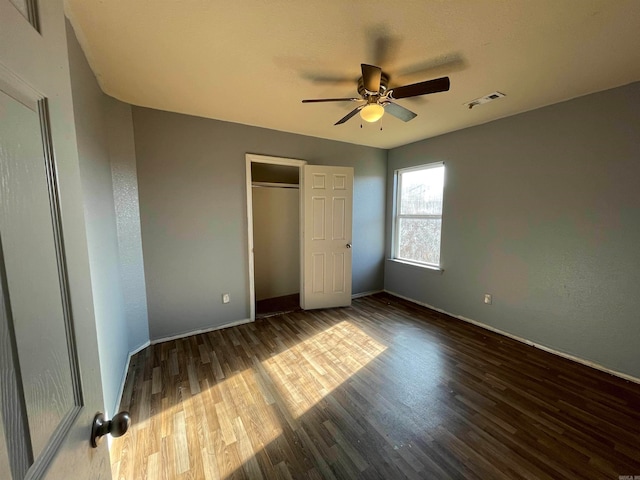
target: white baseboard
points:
(365, 294)
(568, 356)
(197, 332)
(124, 373)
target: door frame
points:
(254, 158)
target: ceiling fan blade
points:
(441, 65)
(349, 115)
(399, 111)
(385, 48)
(328, 78)
(422, 88)
(371, 77)
(318, 100)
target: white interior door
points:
(327, 204)
(49, 370)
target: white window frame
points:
(397, 216)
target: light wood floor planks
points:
(383, 389)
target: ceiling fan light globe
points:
(372, 112)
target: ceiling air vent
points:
(487, 98)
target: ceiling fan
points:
(372, 87)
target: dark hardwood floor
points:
(383, 389)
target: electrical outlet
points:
(488, 299)
(226, 298)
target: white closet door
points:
(327, 203)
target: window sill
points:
(432, 268)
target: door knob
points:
(348, 245)
(117, 426)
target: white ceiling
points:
(253, 61)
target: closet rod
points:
(274, 185)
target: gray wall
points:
(101, 127)
(542, 210)
(119, 123)
(191, 174)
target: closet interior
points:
(276, 238)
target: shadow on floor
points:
(277, 306)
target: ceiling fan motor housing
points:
(384, 82)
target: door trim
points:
(254, 158)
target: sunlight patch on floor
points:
(313, 368)
(237, 410)
(223, 421)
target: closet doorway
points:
(273, 211)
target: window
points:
(418, 215)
